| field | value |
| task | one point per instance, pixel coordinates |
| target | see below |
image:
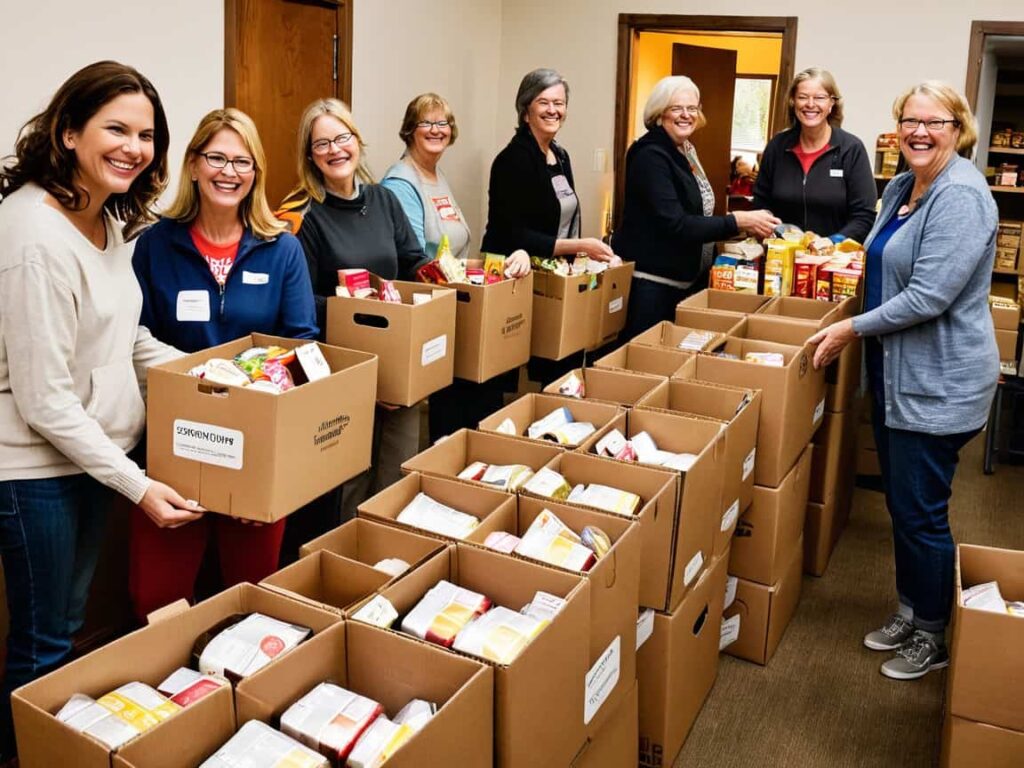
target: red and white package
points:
(443, 612)
(355, 283)
(185, 686)
(389, 293)
(330, 719)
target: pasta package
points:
(442, 612)
(430, 515)
(119, 716)
(550, 540)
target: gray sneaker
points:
(893, 634)
(918, 656)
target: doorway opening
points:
(741, 64)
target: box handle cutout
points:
(463, 296)
(372, 321)
(216, 390)
(698, 625)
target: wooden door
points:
(714, 72)
(280, 55)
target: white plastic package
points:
(550, 540)
(499, 635)
(380, 741)
(185, 686)
(393, 566)
(249, 645)
(257, 745)
(378, 611)
(119, 716)
(416, 714)
(544, 606)
(557, 418)
(548, 483)
(607, 498)
(508, 477)
(430, 515)
(442, 612)
(330, 719)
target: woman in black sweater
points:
(667, 225)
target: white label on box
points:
(748, 463)
(730, 632)
(208, 443)
(601, 679)
(693, 567)
(434, 350)
(313, 363)
(730, 515)
(193, 307)
(819, 411)
(731, 583)
(644, 626)
(615, 305)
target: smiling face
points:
(927, 150)
(546, 113)
(339, 162)
(222, 187)
(812, 103)
(433, 140)
(114, 146)
(680, 116)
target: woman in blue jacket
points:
(217, 267)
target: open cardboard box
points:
(677, 667)
(729, 323)
(765, 612)
(823, 526)
(769, 531)
(391, 669)
(643, 358)
(494, 509)
(792, 400)
(257, 455)
(565, 313)
(414, 343)
(539, 697)
(614, 285)
(967, 744)
(738, 407)
(727, 301)
(614, 745)
(448, 457)
(607, 385)
(368, 542)
(670, 335)
(532, 407)
(492, 327)
(657, 489)
(986, 663)
(328, 581)
(1005, 318)
(147, 655)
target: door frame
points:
(632, 24)
(979, 31)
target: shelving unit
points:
(1005, 151)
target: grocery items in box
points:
(507, 477)
(696, 341)
(268, 369)
(185, 686)
(380, 741)
(548, 483)
(731, 272)
(247, 645)
(550, 540)
(393, 566)
(502, 541)
(442, 612)
(773, 359)
(507, 427)
(416, 714)
(615, 445)
(378, 611)
(257, 745)
(118, 716)
(987, 597)
(544, 606)
(572, 387)
(499, 635)
(641, 448)
(431, 515)
(330, 720)
(778, 266)
(354, 283)
(605, 497)
(574, 266)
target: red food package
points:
(278, 373)
(431, 272)
(389, 293)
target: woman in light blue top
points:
(932, 364)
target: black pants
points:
(650, 303)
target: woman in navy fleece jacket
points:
(219, 266)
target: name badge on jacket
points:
(255, 278)
(836, 173)
(193, 307)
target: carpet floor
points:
(821, 701)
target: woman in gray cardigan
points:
(932, 364)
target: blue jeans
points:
(917, 475)
(50, 535)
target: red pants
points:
(164, 562)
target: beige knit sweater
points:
(71, 349)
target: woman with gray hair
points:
(532, 203)
(667, 225)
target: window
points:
(751, 114)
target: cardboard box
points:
(765, 611)
(833, 463)
(367, 542)
(532, 407)
(728, 323)
(769, 532)
(658, 490)
(1005, 318)
(677, 666)
(253, 454)
(728, 301)
(565, 314)
(494, 509)
(823, 526)
(448, 457)
(539, 697)
(1006, 343)
(614, 285)
(867, 462)
(391, 669)
(738, 407)
(147, 655)
(986, 665)
(698, 512)
(414, 344)
(967, 744)
(666, 334)
(614, 746)
(608, 385)
(792, 401)
(641, 358)
(492, 327)
(328, 581)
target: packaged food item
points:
(330, 719)
(393, 566)
(821, 246)
(596, 540)
(570, 434)
(219, 371)
(845, 283)
(119, 716)
(774, 359)
(475, 276)
(185, 686)
(312, 361)
(442, 612)
(550, 540)
(257, 745)
(378, 611)
(454, 269)
(416, 714)
(265, 386)
(494, 268)
(790, 232)
(607, 498)
(380, 741)
(696, 341)
(354, 283)
(544, 606)
(805, 274)
(680, 461)
(555, 419)
(507, 477)
(502, 541)
(778, 267)
(748, 249)
(499, 635)
(507, 427)
(572, 386)
(984, 597)
(732, 272)
(389, 293)
(248, 645)
(474, 471)
(548, 483)
(421, 298)
(1015, 607)
(646, 451)
(430, 515)
(611, 444)
(278, 375)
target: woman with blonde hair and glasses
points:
(216, 267)
(932, 364)
(814, 174)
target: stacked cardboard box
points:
(1008, 242)
(1006, 320)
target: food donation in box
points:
(641, 448)
(552, 485)
(267, 369)
(559, 426)
(507, 477)
(987, 597)
(239, 646)
(257, 745)
(430, 515)
(550, 540)
(738, 267)
(442, 612)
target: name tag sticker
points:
(193, 307)
(255, 278)
(836, 173)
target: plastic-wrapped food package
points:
(257, 745)
(499, 635)
(380, 741)
(550, 540)
(502, 541)
(330, 719)
(416, 714)
(695, 341)
(118, 716)
(378, 611)
(544, 606)
(607, 498)
(570, 434)
(572, 387)
(185, 686)
(393, 566)
(773, 359)
(430, 515)
(548, 483)
(474, 471)
(507, 427)
(249, 645)
(442, 612)
(557, 418)
(507, 477)
(680, 461)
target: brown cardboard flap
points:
(670, 335)
(327, 580)
(168, 611)
(729, 301)
(967, 744)
(448, 457)
(729, 323)
(608, 385)
(370, 542)
(824, 313)
(641, 358)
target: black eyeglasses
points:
(242, 165)
(323, 146)
(912, 123)
(428, 124)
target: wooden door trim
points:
(976, 51)
(632, 24)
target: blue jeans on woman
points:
(51, 530)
